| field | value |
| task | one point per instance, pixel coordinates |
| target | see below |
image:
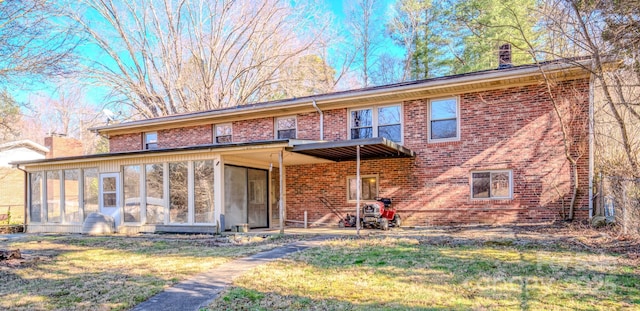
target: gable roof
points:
(26, 144)
(403, 91)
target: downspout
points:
(321, 119)
(591, 143)
(26, 188)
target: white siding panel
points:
(113, 165)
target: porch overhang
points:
(345, 150)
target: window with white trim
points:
(377, 121)
(369, 187)
(491, 185)
(223, 133)
(150, 140)
(444, 117)
(286, 127)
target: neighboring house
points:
(483, 147)
(12, 181)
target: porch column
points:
(218, 190)
(358, 189)
(281, 204)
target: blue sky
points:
(96, 95)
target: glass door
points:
(258, 199)
(246, 197)
(235, 196)
(110, 196)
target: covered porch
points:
(203, 189)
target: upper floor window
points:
(151, 140)
(383, 121)
(444, 117)
(286, 127)
(491, 185)
(223, 133)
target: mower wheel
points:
(384, 224)
(397, 221)
(341, 224)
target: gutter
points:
(26, 189)
(321, 119)
(591, 142)
(405, 87)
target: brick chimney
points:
(62, 146)
(504, 56)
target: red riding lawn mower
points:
(378, 214)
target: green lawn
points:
(110, 273)
(387, 273)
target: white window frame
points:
(215, 132)
(509, 172)
(141, 189)
(362, 177)
(147, 142)
(276, 129)
(80, 190)
(374, 120)
(429, 105)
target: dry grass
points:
(421, 273)
(110, 273)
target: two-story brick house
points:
(483, 147)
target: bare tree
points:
(570, 105)
(305, 76)
(365, 26)
(606, 32)
(36, 41)
(65, 112)
(388, 70)
(175, 56)
(9, 117)
(414, 26)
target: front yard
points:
(460, 269)
(110, 273)
(414, 271)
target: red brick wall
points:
(335, 124)
(185, 136)
(514, 129)
(308, 126)
(243, 131)
(253, 130)
(62, 147)
(171, 138)
(125, 142)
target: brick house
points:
(483, 147)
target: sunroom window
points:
(35, 197)
(154, 186)
(131, 180)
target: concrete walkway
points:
(199, 291)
